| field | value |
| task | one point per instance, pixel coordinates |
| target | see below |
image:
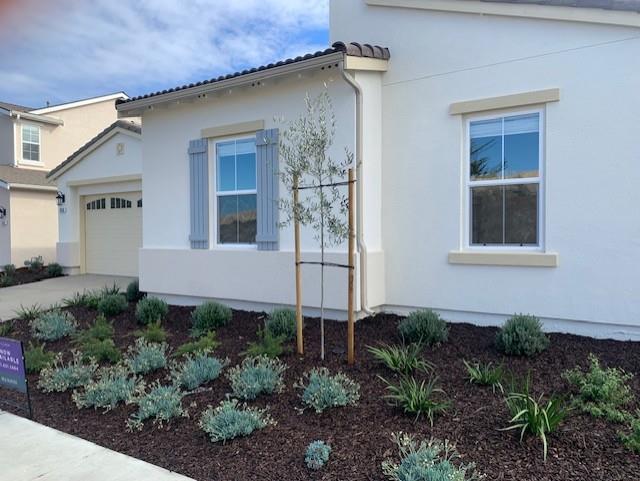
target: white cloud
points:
(90, 47)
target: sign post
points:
(13, 374)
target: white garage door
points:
(113, 233)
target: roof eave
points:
(44, 119)
(134, 108)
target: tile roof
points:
(19, 108)
(353, 49)
(122, 124)
(622, 5)
(18, 175)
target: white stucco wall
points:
(592, 162)
(5, 228)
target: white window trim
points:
(540, 180)
(28, 161)
(213, 187)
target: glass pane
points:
(486, 215)
(485, 149)
(226, 166)
(246, 165)
(521, 146)
(228, 219)
(247, 219)
(521, 214)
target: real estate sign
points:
(12, 371)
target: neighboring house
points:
(498, 166)
(32, 142)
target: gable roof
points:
(15, 107)
(98, 139)
(80, 103)
(16, 175)
(621, 5)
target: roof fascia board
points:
(130, 107)
(547, 12)
(105, 180)
(80, 103)
(43, 119)
(365, 64)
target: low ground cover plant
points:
(112, 305)
(256, 376)
(403, 359)
(266, 345)
(207, 343)
(317, 455)
(231, 420)
(197, 370)
(9, 270)
(485, 374)
(322, 390)
(522, 335)
(424, 326)
(150, 310)
(145, 357)
(7, 276)
(36, 358)
(153, 332)
(601, 392)
(160, 403)
(282, 322)
(114, 385)
(34, 264)
(427, 461)
(133, 293)
(424, 398)
(61, 376)
(53, 325)
(632, 439)
(54, 270)
(209, 316)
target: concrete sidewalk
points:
(31, 451)
(52, 291)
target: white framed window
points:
(236, 192)
(31, 143)
(504, 181)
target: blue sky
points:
(63, 50)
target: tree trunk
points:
(321, 272)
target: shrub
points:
(403, 359)
(111, 290)
(602, 392)
(150, 310)
(321, 390)
(36, 358)
(60, 377)
(53, 325)
(632, 440)
(92, 299)
(133, 291)
(9, 270)
(317, 455)
(154, 332)
(101, 350)
(231, 420)
(162, 403)
(427, 461)
(114, 385)
(34, 264)
(485, 374)
(144, 357)
(255, 376)
(112, 305)
(197, 370)
(266, 345)
(282, 322)
(522, 335)
(424, 398)
(6, 328)
(531, 416)
(29, 313)
(209, 316)
(6, 281)
(207, 343)
(101, 329)
(54, 270)
(424, 326)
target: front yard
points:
(582, 447)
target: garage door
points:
(113, 233)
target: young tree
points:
(307, 166)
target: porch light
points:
(3, 212)
(60, 198)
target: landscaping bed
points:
(26, 275)
(583, 448)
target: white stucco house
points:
(497, 167)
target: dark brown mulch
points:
(24, 275)
(583, 449)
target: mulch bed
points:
(583, 449)
(24, 275)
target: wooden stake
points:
(352, 268)
(296, 229)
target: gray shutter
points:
(268, 185)
(199, 181)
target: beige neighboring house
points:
(32, 143)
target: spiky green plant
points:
(403, 359)
(485, 374)
(424, 398)
(266, 345)
(153, 332)
(29, 313)
(206, 343)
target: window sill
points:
(31, 163)
(516, 259)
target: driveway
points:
(52, 291)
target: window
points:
(504, 181)
(236, 191)
(118, 203)
(139, 202)
(31, 143)
(98, 204)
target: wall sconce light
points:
(3, 212)
(60, 198)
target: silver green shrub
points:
(522, 335)
(282, 322)
(196, 370)
(424, 326)
(150, 310)
(321, 390)
(161, 403)
(114, 385)
(209, 316)
(231, 420)
(53, 325)
(255, 376)
(144, 356)
(60, 377)
(317, 455)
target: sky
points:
(62, 50)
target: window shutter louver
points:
(199, 181)
(268, 183)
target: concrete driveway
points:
(52, 291)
